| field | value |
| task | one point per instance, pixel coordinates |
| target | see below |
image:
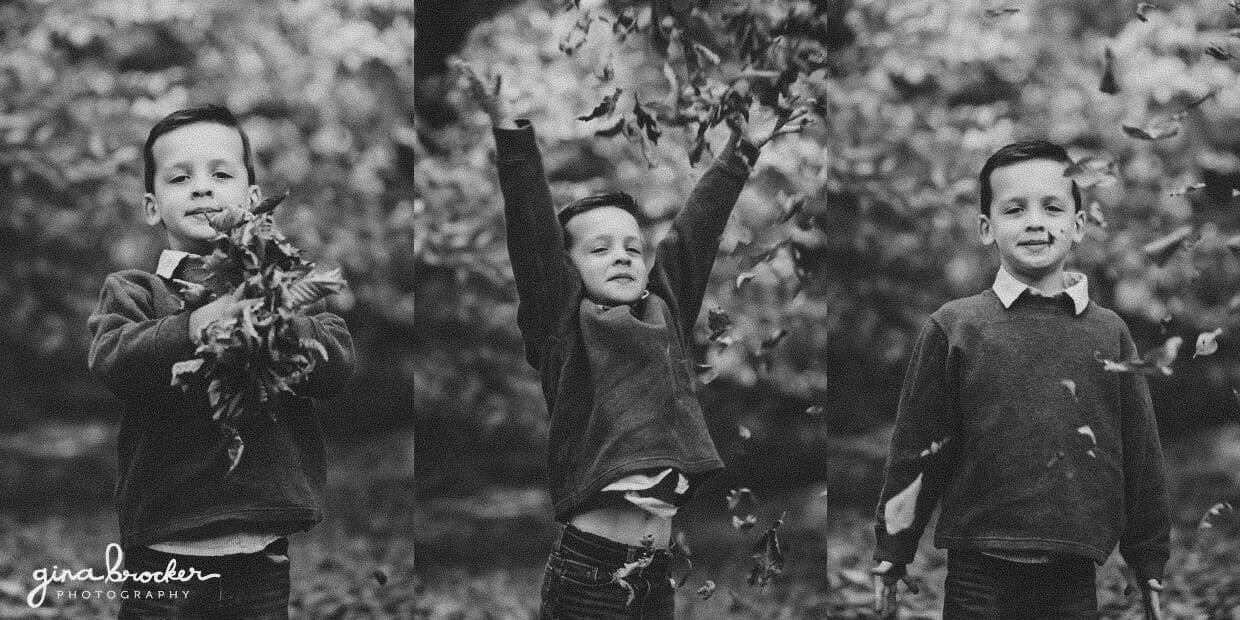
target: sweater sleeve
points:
(1145, 540)
(919, 462)
(686, 255)
(330, 375)
(131, 351)
(535, 242)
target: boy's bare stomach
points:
(630, 526)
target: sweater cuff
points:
(516, 143)
(897, 550)
(173, 343)
(738, 161)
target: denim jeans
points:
(250, 585)
(579, 584)
(979, 586)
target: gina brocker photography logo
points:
(64, 582)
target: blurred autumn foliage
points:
(849, 234)
(324, 90)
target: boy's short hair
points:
(1015, 153)
(209, 113)
(589, 203)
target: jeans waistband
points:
(607, 551)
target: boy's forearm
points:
(135, 357)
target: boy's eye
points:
(178, 178)
(223, 175)
(636, 251)
(599, 251)
(1012, 209)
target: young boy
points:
(609, 325)
(175, 497)
(1041, 460)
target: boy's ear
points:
(150, 209)
(1078, 226)
(983, 229)
(255, 196)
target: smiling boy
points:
(1040, 459)
(176, 498)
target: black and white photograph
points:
(620, 309)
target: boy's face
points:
(196, 165)
(607, 251)
(1033, 219)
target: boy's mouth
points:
(622, 278)
(1050, 239)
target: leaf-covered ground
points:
(480, 554)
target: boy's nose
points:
(201, 193)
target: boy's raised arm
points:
(685, 257)
(914, 478)
(535, 242)
(1145, 541)
(130, 352)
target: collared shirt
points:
(1008, 288)
(168, 262)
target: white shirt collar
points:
(168, 261)
(1008, 288)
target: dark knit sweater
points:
(171, 455)
(626, 402)
(1015, 391)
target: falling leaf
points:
(744, 524)
(1108, 85)
(1142, 7)
(815, 410)
(1186, 190)
(620, 575)
(935, 446)
(738, 496)
(768, 557)
(1058, 456)
(1162, 249)
(1157, 130)
(707, 373)
(605, 107)
(647, 122)
(1091, 171)
(1216, 511)
(1002, 11)
(1214, 50)
(899, 511)
(380, 576)
(1094, 214)
(235, 447)
(718, 322)
(744, 277)
(707, 590)
(1155, 362)
(621, 126)
(1087, 431)
(743, 431)
(1071, 385)
(1207, 342)
(770, 342)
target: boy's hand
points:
(1151, 599)
(792, 122)
(887, 578)
(225, 307)
(486, 96)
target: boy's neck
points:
(1049, 283)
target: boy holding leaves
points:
(1042, 460)
(612, 339)
(178, 498)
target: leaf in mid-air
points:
(768, 557)
(235, 447)
(1157, 130)
(707, 590)
(744, 523)
(899, 511)
(718, 321)
(935, 447)
(744, 277)
(1184, 191)
(1214, 50)
(1001, 11)
(1108, 85)
(604, 107)
(1142, 8)
(737, 497)
(1091, 171)
(1214, 513)
(1207, 342)
(1155, 362)
(1094, 214)
(647, 122)
(1163, 248)
(1071, 387)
